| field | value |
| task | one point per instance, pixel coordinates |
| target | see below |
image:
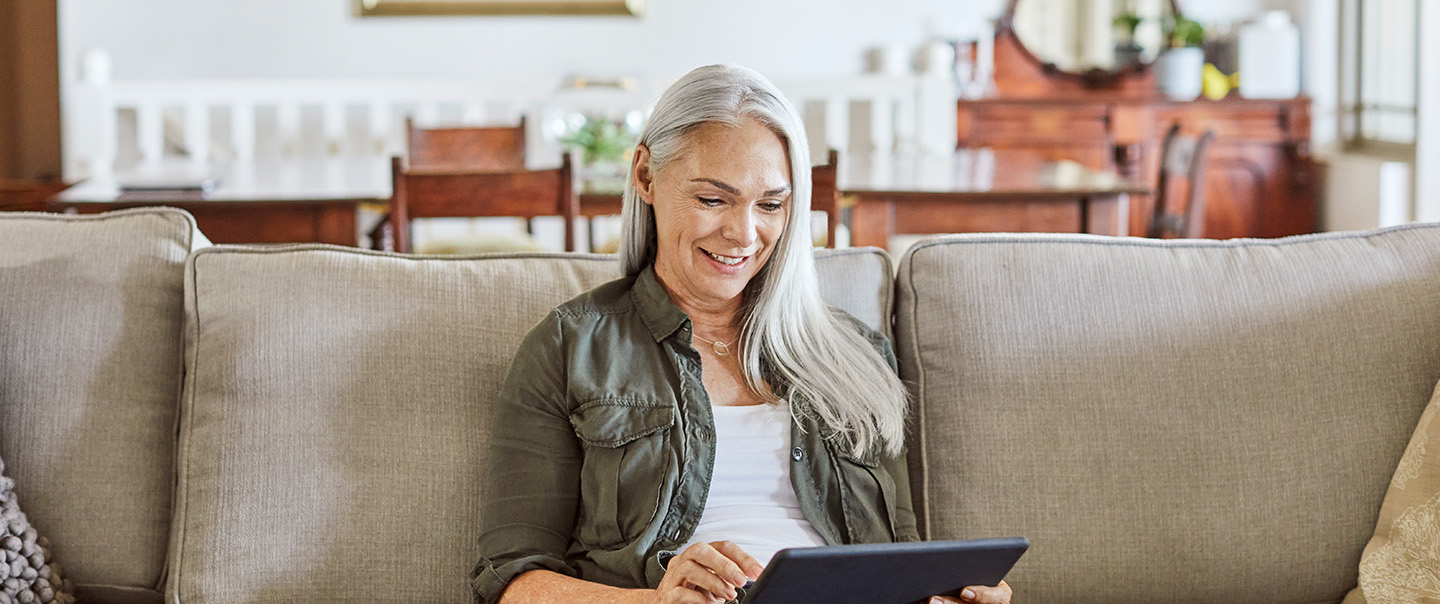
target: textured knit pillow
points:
(27, 574)
(1401, 564)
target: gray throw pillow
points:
(27, 574)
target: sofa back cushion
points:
(1206, 421)
(336, 411)
(90, 319)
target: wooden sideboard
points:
(1260, 181)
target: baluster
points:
(382, 129)
(288, 128)
(197, 131)
(474, 113)
(150, 132)
(91, 135)
(427, 114)
(109, 128)
(929, 119)
(837, 122)
(334, 127)
(812, 113)
(882, 123)
(242, 130)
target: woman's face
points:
(720, 207)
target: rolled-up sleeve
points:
(529, 503)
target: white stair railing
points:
(857, 114)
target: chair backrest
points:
(825, 194)
(434, 193)
(466, 148)
(1183, 157)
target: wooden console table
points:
(1260, 181)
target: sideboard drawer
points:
(1247, 124)
(986, 123)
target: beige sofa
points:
(1166, 421)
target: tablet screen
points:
(883, 573)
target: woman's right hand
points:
(707, 573)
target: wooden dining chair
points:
(432, 193)
(825, 194)
(496, 148)
(1181, 158)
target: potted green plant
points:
(604, 145)
(1179, 70)
(600, 140)
(1127, 50)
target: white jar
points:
(1179, 73)
(935, 59)
(1270, 58)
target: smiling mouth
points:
(726, 260)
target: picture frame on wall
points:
(396, 8)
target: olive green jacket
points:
(603, 446)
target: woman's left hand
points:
(979, 594)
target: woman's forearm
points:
(547, 587)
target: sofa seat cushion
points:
(89, 380)
(336, 412)
(1167, 421)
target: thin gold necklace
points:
(721, 349)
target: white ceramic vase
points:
(1179, 73)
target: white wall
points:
(310, 38)
(315, 38)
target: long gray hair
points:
(784, 324)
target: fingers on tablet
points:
(748, 565)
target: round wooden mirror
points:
(1089, 43)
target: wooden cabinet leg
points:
(1106, 215)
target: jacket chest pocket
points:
(627, 460)
(868, 498)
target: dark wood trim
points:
(29, 90)
(266, 222)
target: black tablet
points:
(883, 573)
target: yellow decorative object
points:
(1216, 83)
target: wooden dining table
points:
(979, 191)
(262, 201)
(969, 191)
(317, 200)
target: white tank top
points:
(751, 501)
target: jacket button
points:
(797, 454)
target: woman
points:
(661, 436)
